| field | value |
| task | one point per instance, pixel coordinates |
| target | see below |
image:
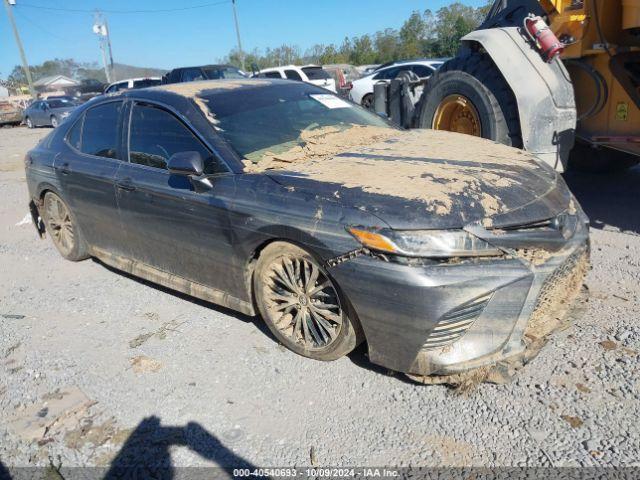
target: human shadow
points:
(609, 200)
(146, 453)
(4, 472)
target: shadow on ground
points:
(609, 200)
(4, 473)
(146, 453)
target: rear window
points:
(315, 73)
(147, 82)
(217, 73)
(99, 131)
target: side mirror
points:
(186, 163)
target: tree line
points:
(423, 34)
(426, 34)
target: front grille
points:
(455, 323)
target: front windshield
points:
(290, 122)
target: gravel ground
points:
(97, 367)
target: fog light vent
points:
(455, 323)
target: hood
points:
(426, 179)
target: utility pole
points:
(25, 65)
(235, 18)
(100, 29)
(113, 72)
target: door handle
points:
(64, 168)
(125, 185)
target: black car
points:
(444, 252)
(204, 72)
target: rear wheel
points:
(469, 95)
(367, 101)
(302, 305)
(54, 121)
(63, 228)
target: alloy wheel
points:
(302, 302)
(59, 224)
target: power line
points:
(161, 10)
(41, 28)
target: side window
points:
(292, 75)
(387, 74)
(75, 134)
(421, 70)
(155, 135)
(192, 74)
(272, 74)
(100, 130)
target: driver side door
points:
(170, 226)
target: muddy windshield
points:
(282, 123)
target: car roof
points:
(211, 65)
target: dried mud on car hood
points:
(432, 179)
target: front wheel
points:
(63, 228)
(54, 121)
(301, 304)
(469, 95)
(29, 123)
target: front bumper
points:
(446, 318)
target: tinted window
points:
(100, 130)
(315, 73)
(292, 75)
(147, 82)
(192, 74)
(74, 135)
(156, 135)
(421, 70)
(271, 75)
(61, 103)
(216, 73)
(387, 74)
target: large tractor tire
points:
(468, 94)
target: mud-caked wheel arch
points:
(62, 226)
(302, 305)
(468, 94)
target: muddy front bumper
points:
(447, 318)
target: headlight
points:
(425, 243)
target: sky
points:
(195, 35)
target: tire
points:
(29, 122)
(63, 229)
(367, 101)
(584, 158)
(283, 269)
(474, 78)
(54, 121)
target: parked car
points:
(204, 72)
(362, 91)
(344, 75)
(313, 74)
(142, 82)
(50, 112)
(86, 86)
(10, 112)
(444, 252)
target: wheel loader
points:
(559, 78)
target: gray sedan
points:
(51, 112)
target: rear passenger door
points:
(87, 170)
(170, 226)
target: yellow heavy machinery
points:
(560, 78)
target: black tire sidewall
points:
(461, 83)
(348, 337)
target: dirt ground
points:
(98, 368)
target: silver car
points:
(51, 112)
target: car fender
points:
(543, 91)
